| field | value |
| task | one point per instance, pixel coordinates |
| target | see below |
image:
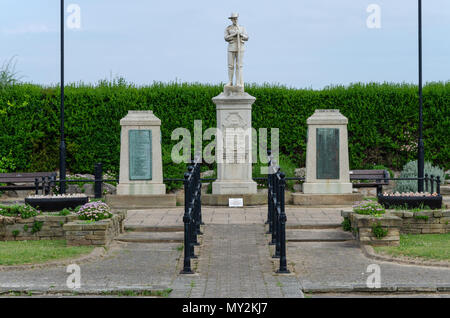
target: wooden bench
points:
(28, 181)
(377, 179)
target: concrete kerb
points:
(369, 252)
(97, 252)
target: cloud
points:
(27, 29)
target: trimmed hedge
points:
(383, 121)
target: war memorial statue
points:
(236, 36)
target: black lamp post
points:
(62, 146)
(420, 161)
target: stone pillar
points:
(234, 142)
(140, 155)
(327, 165)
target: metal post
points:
(431, 182)
(420, 161)
(283, 261)
(269, 152)
(98, 183)
(186, 220)
(36, 185)
(277, 212)
(62, 146)
(438, 185)
(269, 201)
(426, 182)
(274, 208)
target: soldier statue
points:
(235, 35)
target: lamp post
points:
(420, 159)
(62, 146)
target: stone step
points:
(318, 236)
(445, 189)
(152, 237)
(313, 226)
(446, 201)
(144, 228)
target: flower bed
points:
(370, 225)
(89, 232)
(40, 227)
(56, 202)
(410, 200)
(423, 222)
(95, 211)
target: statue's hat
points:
(234, 15)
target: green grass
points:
(35, 252)
(427, 246)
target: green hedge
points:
(383, 120)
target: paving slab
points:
(152, 237)
(128, 266)
(296, 216)
(334, 266)
(318, 235)
(235, 261)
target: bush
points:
(378, 231)
(410, 171)
(23, 211)
(369, 207)
(94, 211)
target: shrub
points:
(23, 211)
(346, 224)
(382, 120)
(94, 211)
(378, 231)
(369, 207)
(410, 171)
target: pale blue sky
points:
(297, 43)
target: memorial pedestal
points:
(327, 165)
(234, 142)
(140, 155)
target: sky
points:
(297, 43)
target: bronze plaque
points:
(140, 150)
(327, 153)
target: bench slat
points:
(26, 174)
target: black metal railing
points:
(276, 216)
(430, 181)
(192, 217)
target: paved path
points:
(167, 217)
(130, 266)
(235, 261)
(328, 266)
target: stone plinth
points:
(234, 143)
(327, 164)
(140, 155)
(363, 228)
(325, 199)
(135, 202)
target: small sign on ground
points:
(235, 202)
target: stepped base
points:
(326, 199)
(152, 237)
(135, 202)
(222, 199)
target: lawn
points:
(34, 252)
(427, 246)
